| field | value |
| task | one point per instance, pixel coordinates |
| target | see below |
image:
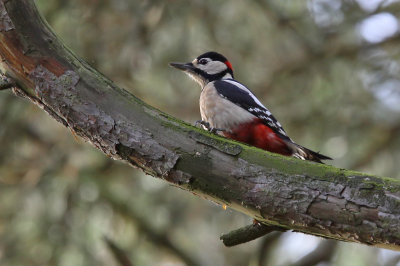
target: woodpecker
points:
(231, 109)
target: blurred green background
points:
(328, 70)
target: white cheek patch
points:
(213, 67)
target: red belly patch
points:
(259, 135)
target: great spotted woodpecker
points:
(232, 109)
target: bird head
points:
(207, 67)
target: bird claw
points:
(208, 127)
(203, 123)
(216, 130)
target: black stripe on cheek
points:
(216, 76)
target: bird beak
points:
(182, 66)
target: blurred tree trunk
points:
(290, 193)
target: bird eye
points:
(203, 61)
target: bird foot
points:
(205, 125)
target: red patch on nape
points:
(228, 64)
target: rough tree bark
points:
(290, 193)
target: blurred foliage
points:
(330, 79)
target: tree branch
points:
(247, 233)
(322, 253)
(161, 239)
(120, 256)
(266, 248)
(286, 192)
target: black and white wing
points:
(238, 94)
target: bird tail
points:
(307, 154)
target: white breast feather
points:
(220, 112)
